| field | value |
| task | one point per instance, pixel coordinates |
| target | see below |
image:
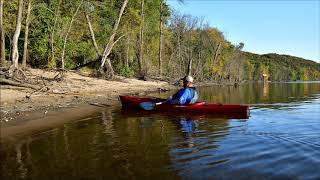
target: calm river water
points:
(280, 140)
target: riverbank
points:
(72, 91)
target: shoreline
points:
(12, 110)
(73, 90)
(34, 122)
(24, 111)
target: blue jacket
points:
(184, 96)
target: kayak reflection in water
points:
(187, 95)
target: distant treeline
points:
(133, 38)
(280, 67)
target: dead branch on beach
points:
(16, 83)
(16, 77)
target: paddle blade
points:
(147, 105)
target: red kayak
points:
(134, 103)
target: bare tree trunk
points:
(26, 34)
(66, 37)
(111, 42)
(52, 62)
(189, 64)
(92, 35)
(141, 37)
(146, 62)
(15, 53)
(199, 66)
(128, 48)
(2, 42)
(216, 53)
(160, 38)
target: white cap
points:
(189, 79)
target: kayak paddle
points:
(149, 105)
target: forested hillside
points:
(280, 67)
(132, 38)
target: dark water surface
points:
(280, 140)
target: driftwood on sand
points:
(16, 83)
(19, 78)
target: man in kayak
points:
(187, 95)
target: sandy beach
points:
(76, 95)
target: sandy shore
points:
(68, 96)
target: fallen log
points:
(99, 105)
(14, 83)
(13, 87)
